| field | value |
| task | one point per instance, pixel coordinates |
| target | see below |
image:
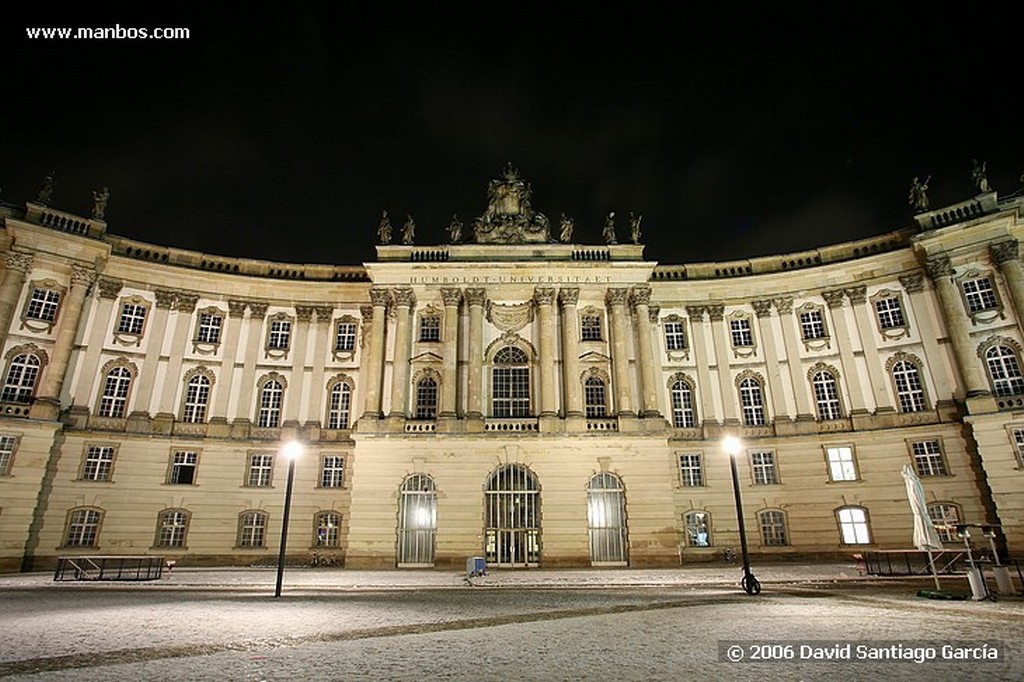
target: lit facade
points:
(517, 396)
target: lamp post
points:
(291, 450)
(749, 583)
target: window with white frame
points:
(826, 395)
(132, 319)
(590, 328)
(979, 294)
(197, 398)
(683, 414)
(261, 469)
(691, 470)
(252, 529)
(945, 516)
(595, 397)
(279, 334)
(1004, 371)
(8, 444)
(928, 459)
(1018, 446)
(183, 467)
(339, 405)
(430, 328)
(426, 398)
(510, 385)
(752, 402)
(762, 467)
(271, 394)
(114, 399)
(675, 335)
(853, 526)
(889, 313)
(698, 528)
(172, 527)
(332, 472)
(345, 336)
(208, 327)
(20, 382)
(812, 325)
(83, 528)
(909, 390)
(773, 528)
(742, 335)
(841, 464)
(42, 305)
(327, 527)
(98, 464)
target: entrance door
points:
(512, 504)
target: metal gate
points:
(417, 521)
(606, 520)
(512, 504)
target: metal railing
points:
(109, 568)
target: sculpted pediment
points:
(594, 356)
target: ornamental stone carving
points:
(834, 299)
(109, 287)
(509, 218)
(324, 312)
(304, 313)
(366, 312)
(913, 283)
(185, 301)
(1004, 252)
(21, 262)
(380, 296)
(939, 267)
(544, 295)
(569, 296)
(82, 275)
(451, 297)
(640, 296)
(236, 308)
(857, 294)
(716, 312)
(617, 297)
(476, 296)
(652, 312)
(762, 307)
(164, 298)
(404, 297)
(511, 318)
(257, 310)
(783, 304)
(696, 312)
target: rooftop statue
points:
(509, 218)
(46, 190)
(565, 229)
(455, 230)
(408, 231)
(918, 198)
(384, 229)
(609, 229)
(634, 227)
(99, 207)
(980, 177)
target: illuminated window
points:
(132, 319)
(889, 313)
(606, 519)
(279, 334)
(417, 520)
(328, 529)
(841, 465)
(510, 386)
(853, 526)
(8, 444)
(812, 325)
(698, 528)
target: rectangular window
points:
(83, 526)
(890, 315)
(945, 518)
(99, 461)
(1018, 447)
(675, 336)
(511, 392)
(980, 295)
(173, 525)
(928, 459)
(853, 526)
(280, 334)
(762, 465)
(252, 529)
(841, 466)
(691, 471)
(332, 475)
(42, 305)
(261, 466)
(346, 336)
(590, 328)
(133, 318)
(183, 468)
(7, 447)
(328, 529)
(741, 334)
(430, 328)
(773, 528)
(812, 326)
(208, 330)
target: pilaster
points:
(405, 301)
(640, 297)
(616, 299)
(544, 297)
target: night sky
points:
(281, 134)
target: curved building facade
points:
(512, 395)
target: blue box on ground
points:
(476, 566)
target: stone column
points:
(47, 402)
(545, 298)
(293, 401)
(314, 409)
(1005, 255)
(229, 355)
(371, 374)
(866, 331)
(699, 346)
(156, 332)
(616, 299)
(573, 401)
(405, 301)
(763, 310)
(475, 298)
(958, 326)
(801, 391)
(925, 322)
(449, 363)
(723, 341)
(254, 342)
(641, 300)
(17, 266)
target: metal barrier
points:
(109, 568)
(913, 562)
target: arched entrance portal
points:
(512, 510)
(606, 518)
(417, 521)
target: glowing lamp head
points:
(732, 445)
(292, 449)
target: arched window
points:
(83, 527)
(114, 399)
(339, 404)
(606, 519)
(909, 391)
(512, 517)
(752, 402)
(698, 528)
(197, 397)
(252, 529)
(683, 414)
(327, 529)
(417, 521)
(853, 525)
(510, 385)
(1004, 369)
(20, 384)
(426, 398)
(826, 395)
(271, 395)
(172, 528)
(773, 528)
(945, 516)
(594, 397)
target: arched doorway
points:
(417, 521)
(512, 510)
(606, 520)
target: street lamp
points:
(750, 585)
(291, 450)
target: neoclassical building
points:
(511, 394)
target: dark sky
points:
(282, 134)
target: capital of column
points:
(913, 283)
(404, 297)
(236, 308)
(857, 294)
(185, 301)
(762, 307)
(939, 266)
(834, 299)
(324, 312)
(109, 287)
(617, 296)
(21, 262)
(695, 312)
(1004, 252)
(544, 296)
(640, 295)
(304, 313)
(380, 297)
(451, 297)
(783, 304)
(82, 275)
(569, 296)
(476, 296)
(716, 312)
(652, 312)
(164, 298)
(257, 310)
